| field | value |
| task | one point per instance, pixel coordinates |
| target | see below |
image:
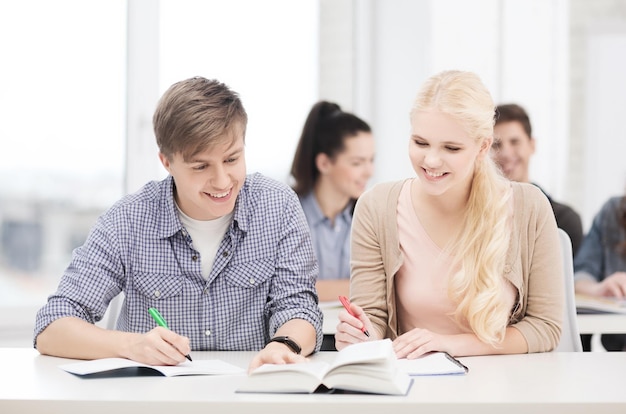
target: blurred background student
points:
(514, 145)
(600, 265)
(332, 165)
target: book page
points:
(99, 365)
(370, 367)
(365, 352)
(365, 367)
(201, 367)
(604, 304)
(316, 369)
(302, 377)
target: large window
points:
(63, 100)
(265, 50)
(62, 141)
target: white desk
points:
(331, 319)
(535, 383)
(601, 323)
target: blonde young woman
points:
(457, 258)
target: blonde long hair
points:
(482, 242)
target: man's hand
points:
(614, 285)
(275, 353)
(160, 346)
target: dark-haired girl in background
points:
(331, 168)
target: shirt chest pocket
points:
(250, 275)
(158, 286)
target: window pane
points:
(64, 101)
(265, 50)
(62, 132)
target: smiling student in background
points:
(458, 258)
(331, 168)
(513, 148)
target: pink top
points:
(422, 280)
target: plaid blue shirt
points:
(263, 276)
(331, 243)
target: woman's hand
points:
(417, 342)
(350, 328)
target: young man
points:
(513, 147)
(225, 258)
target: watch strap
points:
(293, 345)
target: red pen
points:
(346, 304)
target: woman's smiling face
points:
(442, 153)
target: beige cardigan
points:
(534, 265)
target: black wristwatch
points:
(293, 345)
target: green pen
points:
(161, 322)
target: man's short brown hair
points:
(196, 113)
(513, 112)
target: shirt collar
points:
(168, 220)
(240, 213)
(314, 212)
(169, 223)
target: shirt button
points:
(157, 293)
(194, 257)
(507, 269)
(252, 281)
(224, 254)
(207, 332)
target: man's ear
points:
(532, 145)
(322, 162)
(165, 161)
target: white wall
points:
(374, 55)
(142, 82)
(605, 134)
(518, 47)
(265, 51)
(534, 72)
(401, 43)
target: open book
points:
(107, 367)
(370, 367)
(604, 304)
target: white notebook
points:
(123, 366)
(435, 363)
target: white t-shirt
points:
(206, 236)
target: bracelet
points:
(293, 345)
